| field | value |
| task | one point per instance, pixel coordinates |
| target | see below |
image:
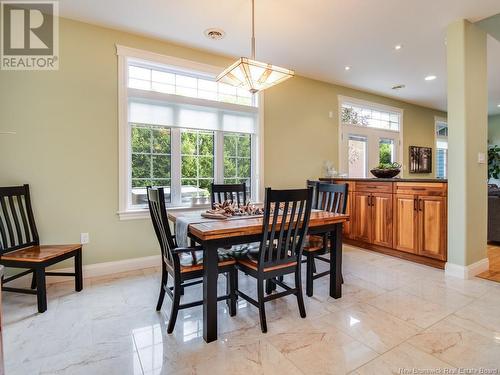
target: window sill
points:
(143, 213)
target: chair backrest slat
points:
(158, 213)
(314, 185)
(17, 223)
(332, 197)
(235, 193)
(286, 220)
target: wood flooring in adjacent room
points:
(493, 273)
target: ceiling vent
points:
(398, 87)
(214, 34)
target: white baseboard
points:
(466, 272)
(97, 269)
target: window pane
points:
(237, 161)
(163, 77)
(206, 166)
(206, 143)
(161, 166)
(230, 142)
(189, 167)
(386, 151)
(161, 87)
(197, 166)
(141, 166)
(161, 141)
(141, 139)
(244, 145)
(357, 158)
(139, 84)
(185, 81)
(229, 168)
(139, 73)
(243, 167)
(188, 143)
(151, 161)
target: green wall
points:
(66, 144)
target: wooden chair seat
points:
(252, 263)
(192, 264)
(313, 243)
(39, 254)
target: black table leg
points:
(210, 274)
(78, 271)
(336, 262)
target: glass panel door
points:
(357, 156)
(386, 151)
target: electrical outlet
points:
(84, 238)
(330, 114)
(481, 158)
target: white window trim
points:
(362, 130)
(125, 212)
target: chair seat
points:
(313, 243)
(192, 264)
(39, 254)
(250, 261)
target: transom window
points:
(365, 115)
(170, 82)
(183, 131)
(369, 136)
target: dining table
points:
(215, 234)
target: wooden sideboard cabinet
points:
(405, 218)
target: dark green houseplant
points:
(494, 162)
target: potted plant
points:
(494, 162)
(386, 170)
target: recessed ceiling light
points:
(498, 106)
(397, 47)
(430, 78)
(214, 33)
(347, 67)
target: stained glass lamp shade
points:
(254, 75)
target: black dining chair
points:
(20, 246)
(314, 185)
(285, 224)
(235, 193)
(331, 198)
(183, 264)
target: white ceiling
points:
(317, 38)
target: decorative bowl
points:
(385, 173)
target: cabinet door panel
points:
(432, 227)
(348, 225)
(405, 222)
(382, 219)
(361, 225)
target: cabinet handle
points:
(421, 205)
(415, 208)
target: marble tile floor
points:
(394, 315)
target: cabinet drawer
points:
(374, 187)
(421, 188)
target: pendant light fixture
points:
(251, 74)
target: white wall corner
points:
(466, 272)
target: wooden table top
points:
(243, 226)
